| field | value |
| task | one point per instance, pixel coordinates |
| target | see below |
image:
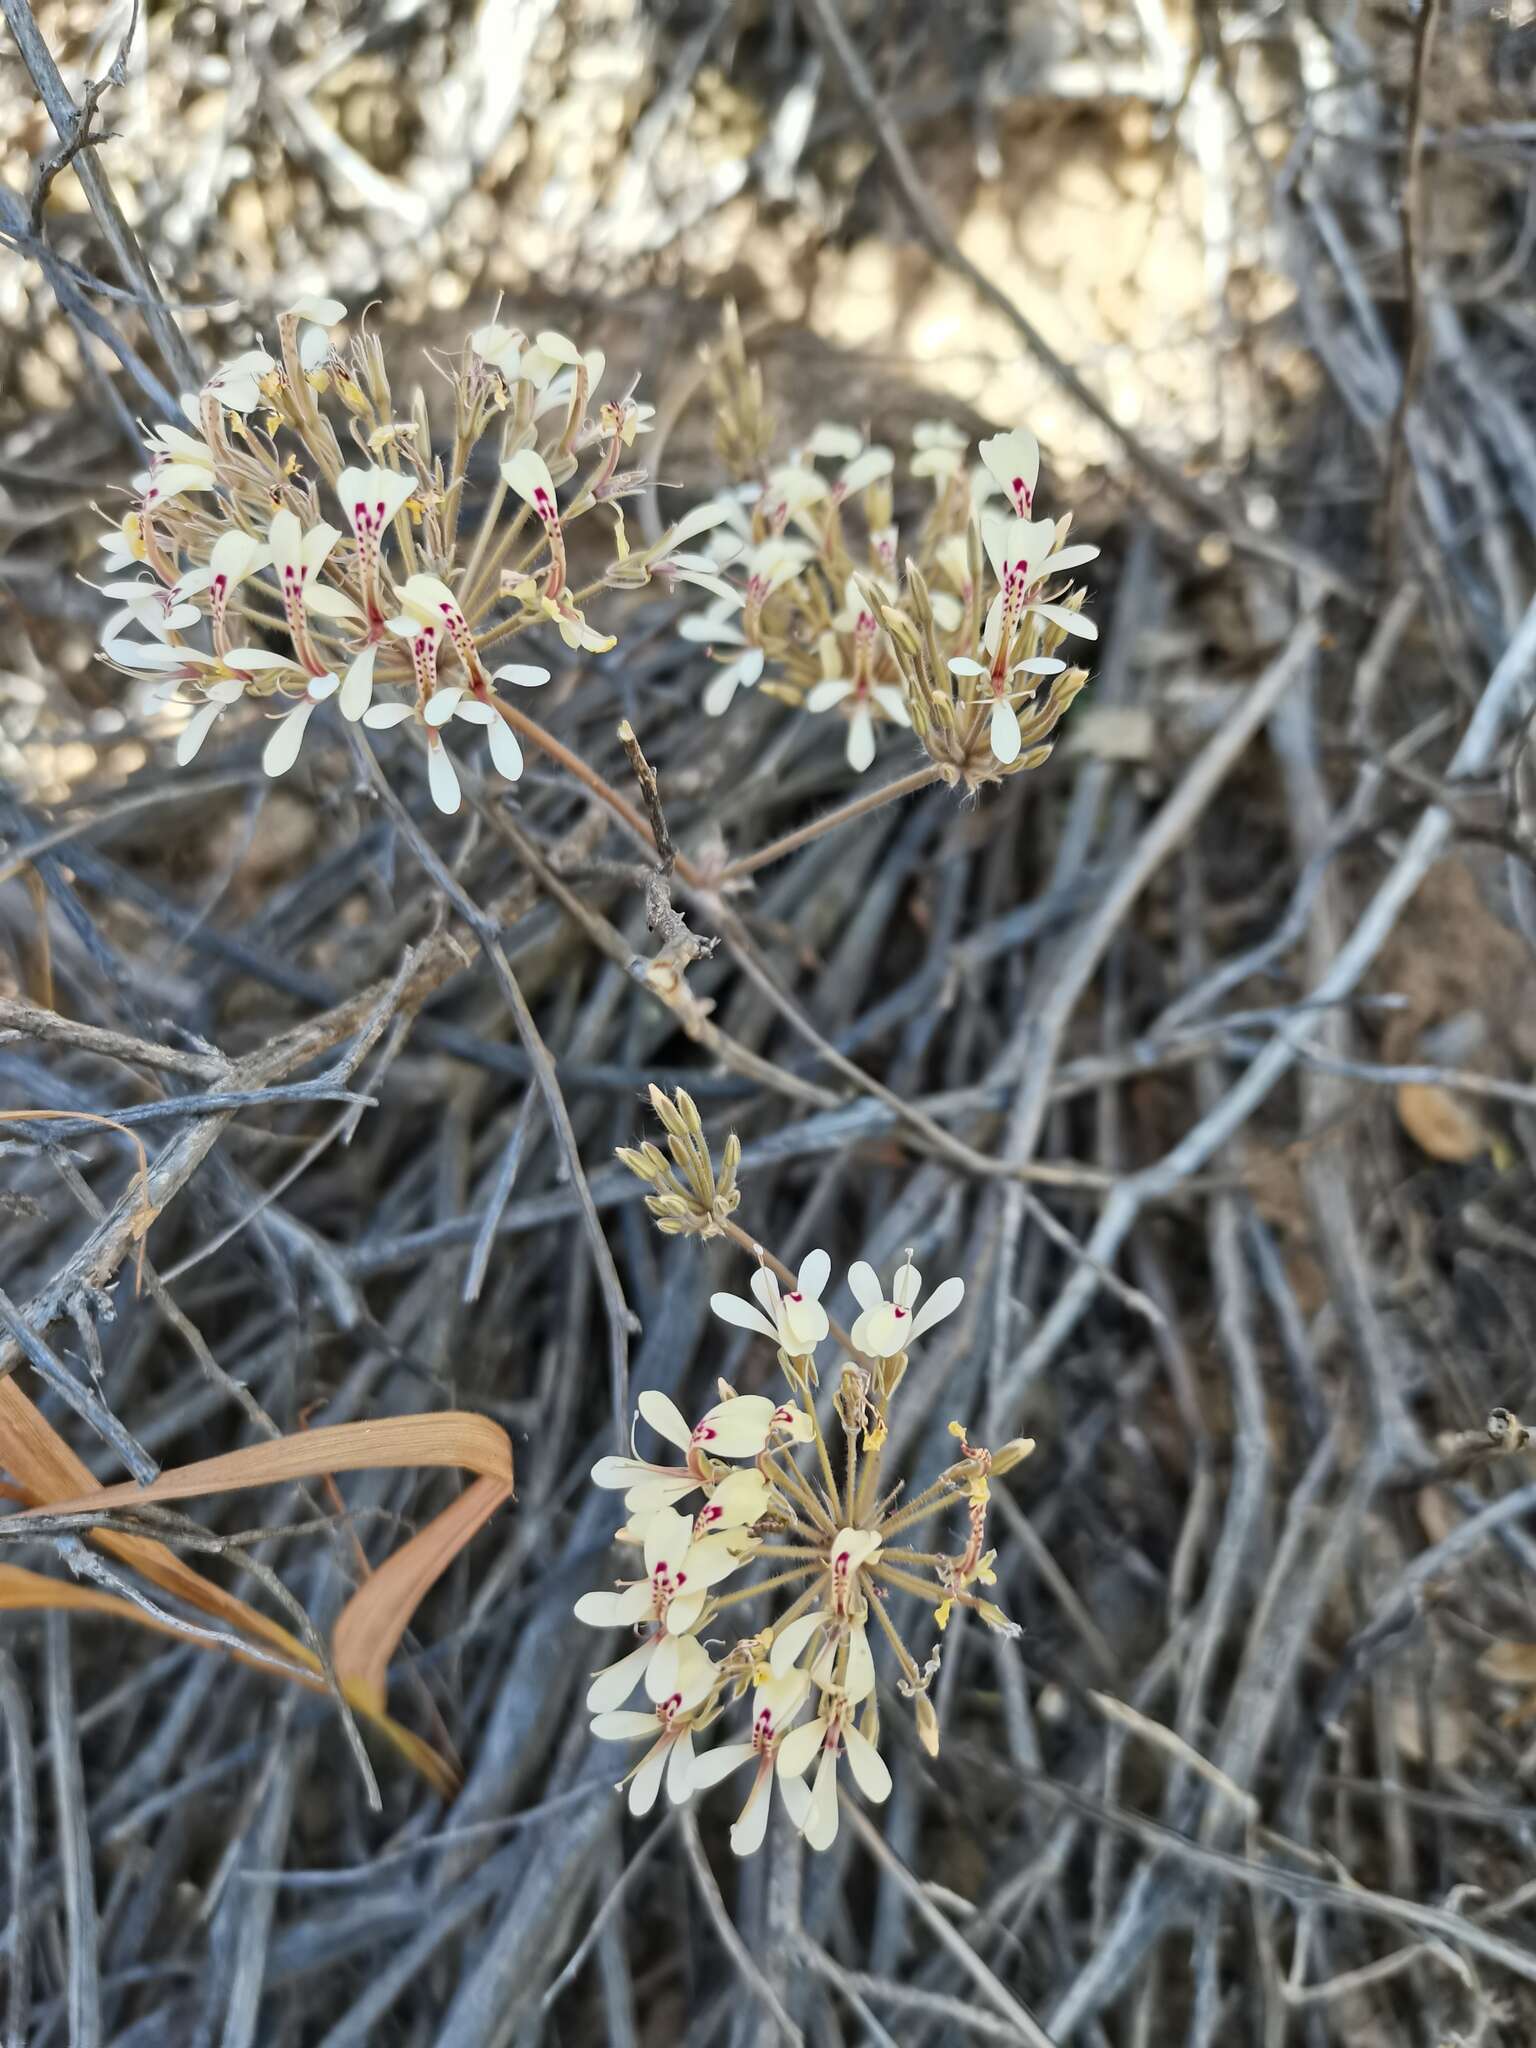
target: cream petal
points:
(646, 1783)
(685, 1613)
(718, 1764)
(324, 312)
(859, 1676)
(1005, 735)
(357, 690)
(730, 1308)
(823, 696)
(680, 1768)
(326, 603)
(614, 1474)
(627, 1725)
(524, 674)
(194, 732)
(380, 717)
(789, 1642)
(1068, 620)
(878, 1333)
(820, 1829)
(811, 1280)
(612, 1686)
(506, 754)
(943, 1301)
(867, 469)
(867, 1766)
(737, 1428)
(864, 1282)
(752, 1823)
(1013, 460)
(796, 1795)
(667, 1536)
(527, 473)
(441, 705)
(442, 778)
(614, 1610)
(665, 1418)
(861, 740)
(797, 1751)
(282, 750)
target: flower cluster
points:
(953, 628)
(241, 585)
(757, 1482)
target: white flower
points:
(548, 354)
(834, 442)
(858, 697)
(371, 499)
(772, 563)
(527, 473)
(1006, 738)
(648, 1486)
(828, 1734)
(864, 470)
(1013, 462)
(775, 1703)
(679, 1574)
(741, 673)
(506, 754)
(789, 490)
(429, 601)
(150, 605)
(938, 449)
(796, 1321)
(885, 1327)
(282, 750)
(237, 384)
(314, 315)
(235, 555)
(1022, 557)
(123, 544)
(178, 463)
(298, 558)
(501, 347)
(689, 1676)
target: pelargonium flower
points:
(886, 1325)
(839, 609)
(311, 496)
(775, 1703)
(831, 1733)
(680, 1678)
(795, 1320)
(679, 1572)
(832, 1544)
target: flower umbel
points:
(765, 1487)
(821, 601)
(342, 533)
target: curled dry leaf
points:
(53, 1480)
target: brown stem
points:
(905, 785)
